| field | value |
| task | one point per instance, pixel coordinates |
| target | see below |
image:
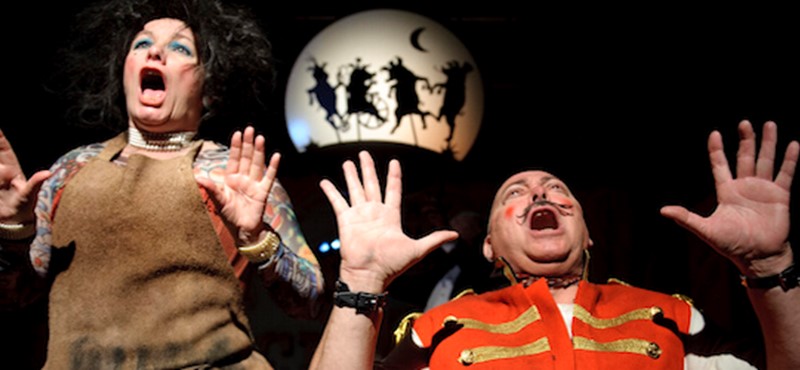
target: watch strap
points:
(364, 303)
(787, 279)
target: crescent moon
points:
(415, 39)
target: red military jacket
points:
(614, 326)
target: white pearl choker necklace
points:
(160, 142)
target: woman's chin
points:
(152, 123)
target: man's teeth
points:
(543, 219)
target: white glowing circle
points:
(357, 76)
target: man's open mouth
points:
(543, 219)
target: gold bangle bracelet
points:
(263, 250)
(17, 232)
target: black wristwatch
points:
(364, 303)
(787, 279)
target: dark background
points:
(617, 101)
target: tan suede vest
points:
(148, 285)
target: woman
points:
(144, 238)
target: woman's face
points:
(163, 80)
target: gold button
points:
(467, 357)
(449, 319)
(656, 311)
(653, 350)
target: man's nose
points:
(539, 193)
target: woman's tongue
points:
(152, 96)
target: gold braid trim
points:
(633, 345)
(489, 353)
(404, 326)
(617, 281)
(463, 293)
(641, 314)
(684, 298)
(523, 320)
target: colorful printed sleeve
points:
(62, 171)
(24, 263)
(293, 274)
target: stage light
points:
(325, 247)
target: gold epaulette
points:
(684, 298)
(404, 327)
(463, 293)
(679, 296)
(617, 281)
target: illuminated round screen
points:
(385, 75)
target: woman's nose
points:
(155, 53)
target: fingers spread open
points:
(676, 213)
(786, 174)
(338, 203)
(259, 156)
(353, 183)
(235, 153)
(689, 220)
(394, 185)
(247, 151)
(7, 175)
(766, 155)
(433, 240)
(372, 187)
(745, 157)
(35, 183)
(4, 144)
(719, 164)
(272, 171)
(212, 188)
(7, 156)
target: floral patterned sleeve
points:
(293, 274)
(25, 264)
(62, 171)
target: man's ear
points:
(488, 252)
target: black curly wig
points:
(235, 54)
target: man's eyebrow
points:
(518, 182)
(545, 179)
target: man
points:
(552, 318)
